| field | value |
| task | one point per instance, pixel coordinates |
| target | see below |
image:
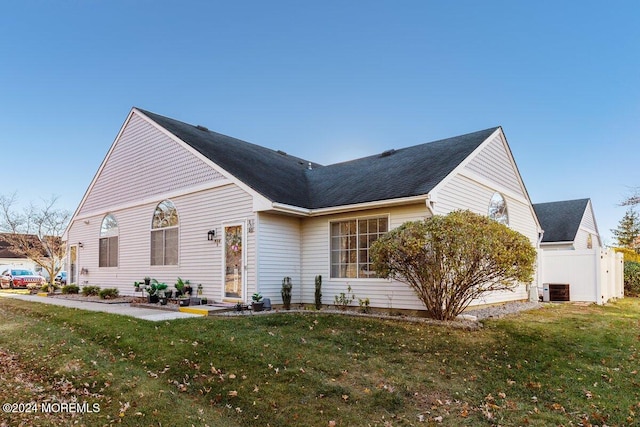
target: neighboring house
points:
(10, 257)
(569, 224)
(574, 266)
(174, 200)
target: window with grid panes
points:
(351, 241)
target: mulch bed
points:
(94, 298)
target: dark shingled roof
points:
(560, 220)
(287, 179)
(6, 250)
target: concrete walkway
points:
(123, 309)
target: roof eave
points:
(305, 212)
(567, 242)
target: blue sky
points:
(328, 81)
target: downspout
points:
(533, 291)
(430, 204)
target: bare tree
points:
(633, 199)
(36, 232)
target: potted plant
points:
(187, 288)
(184, 301)
(180, 284)
(204, 300)
(257, 304)
(162, 293)
(136, 286)
(157, 292)
(152, 289)
(286, 292)
(197, 300)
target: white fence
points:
(593, 275)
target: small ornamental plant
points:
(344, 300)
(286, 292)
(318, 292)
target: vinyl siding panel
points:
(279, 255)
(464, 193)
(200, 260)
(494, 163)
(144, 162)
(588, 220)
(588, 226)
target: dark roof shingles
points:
(287, 179)
(406, 172)
(560, 220)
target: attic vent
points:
(387, 153)
(281, 152)
(202, 128)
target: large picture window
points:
(350, 244)
(108, 246)
(164, 234)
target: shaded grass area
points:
(560, 365)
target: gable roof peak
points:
(286, 179)
(561, 219)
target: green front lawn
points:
(560, 365)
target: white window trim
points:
(328, 248)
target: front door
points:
(234, 262)
(73, 266)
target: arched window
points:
(498, 209)
(108, 247)
(164, 234)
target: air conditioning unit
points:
(546, 296)
(555, 292)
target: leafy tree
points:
(628, 230)
(632, 278)
(36, 233)
(451, 260)
(629, 254)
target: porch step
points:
(194, 310)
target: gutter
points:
(298, 211)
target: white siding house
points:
(174, 200)
(573, 258)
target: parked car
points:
(19, 278)
(61, 278)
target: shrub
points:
(70, 289)
(629, 254)
(88, 291)
(632, 278)
(451, 260)
(108, 293)
(48, 287)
